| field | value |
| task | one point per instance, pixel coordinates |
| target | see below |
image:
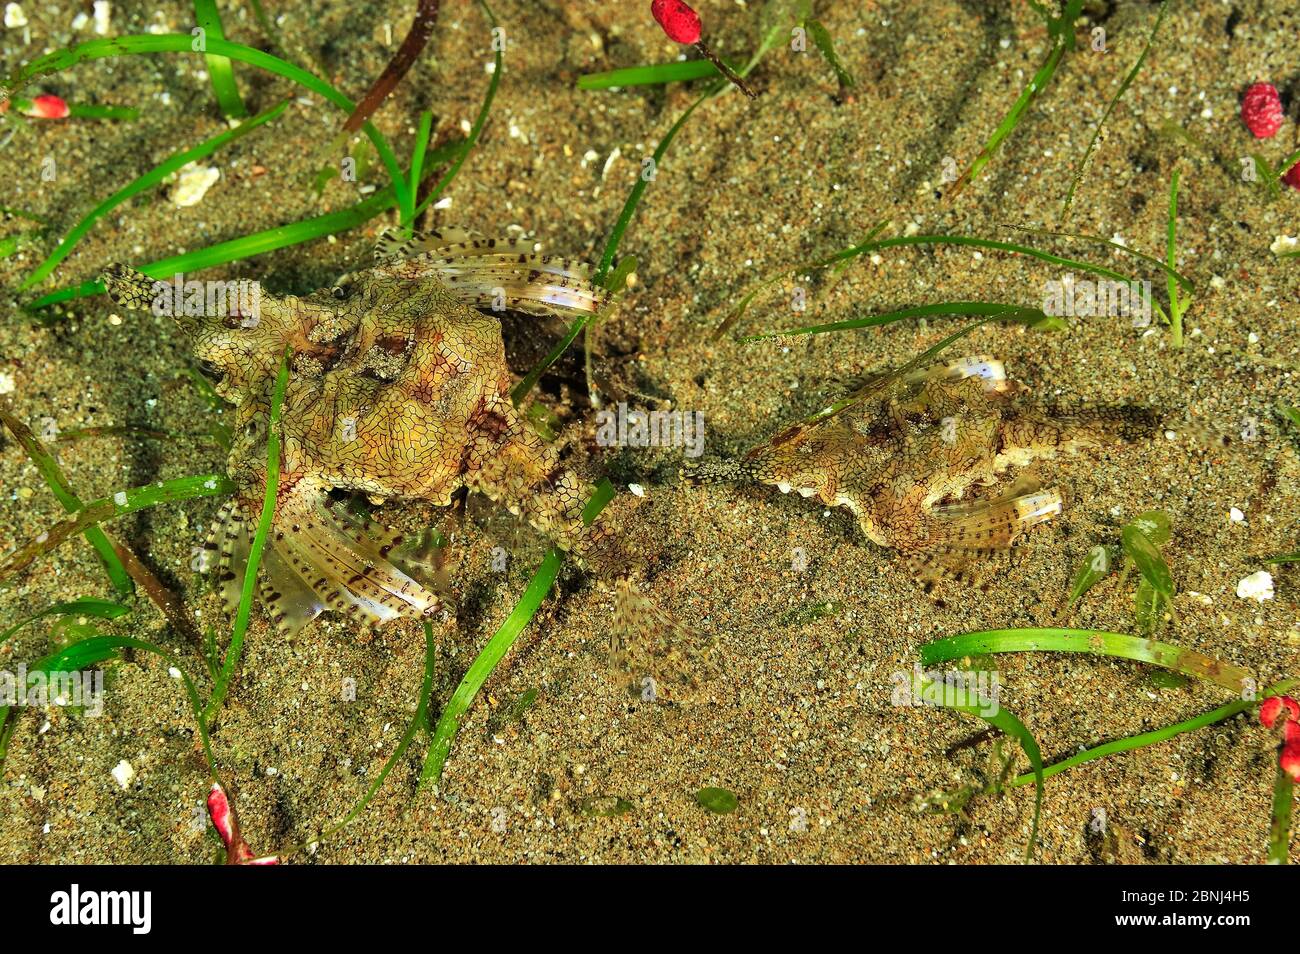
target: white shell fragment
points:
(14, 16)
(123, 774)
(1257, 586)
(193, 183)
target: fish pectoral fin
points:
(290, 602)
(317, 557)
(230, 539)
(991, 524)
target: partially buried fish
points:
(904, 450)
(398, 388)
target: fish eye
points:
(211, 371)
(339, 291)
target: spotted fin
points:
(230, 539)
(992, 524)
(393, 245)
(320, 558)
(289, 601)
(494, 274)
(346, 565)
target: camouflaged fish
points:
(903, 451)
(398, 389)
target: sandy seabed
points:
(799, 722)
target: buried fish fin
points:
(653, 649)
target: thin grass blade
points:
(1189, 662)
(486, 661)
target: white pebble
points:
(103, 9)
(637, 490)
(123, 774)
(193, 183)
(119, 498)
(7, 383)
(14, 16)
(1236, 516)
(1284, 243)
(1257, 586)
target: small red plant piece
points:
(1261, 110)
(1272, 707)
(224, 819)
(1288, 710)
(682, 24)
(1292, 176)
(1289, 760)
(49, 106)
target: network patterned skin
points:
(904, 453)
(398, 388)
